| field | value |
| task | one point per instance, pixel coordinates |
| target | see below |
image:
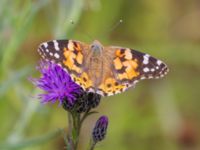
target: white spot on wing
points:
(45, 44)
(162, 75)
(91, 90)
(56, 45)
(159, 62)
(146, 69)
(109, 94)
(117, 92)
(51, 54)
(146, 59)
(150, 77)
(100, 93)
(56, 55)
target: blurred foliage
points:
(157, 114)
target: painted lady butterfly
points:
(104, 70)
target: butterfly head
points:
(96, 48)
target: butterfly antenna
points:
(85, 33)
(115, 25)
(112, 28)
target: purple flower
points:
(99, 131)
(56, 83)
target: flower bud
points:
(99, 131)
(93, 100)
(86, 101)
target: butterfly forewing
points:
(131, 65)
(70, 55)
(58, 50)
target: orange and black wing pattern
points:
(70, 55)
(128, 67)
(121, 67)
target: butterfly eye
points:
(95, 47)
(92, 46)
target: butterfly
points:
(103, 70)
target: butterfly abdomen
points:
(95, 71)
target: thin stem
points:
(92, 145)
(84, 116)
(69, 141)
(69, 124)
(77, 127)
(77, 122)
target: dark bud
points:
(93, 100)
(76, 103)
(83, 102)
(99, 131)
(67, 105)
(87, 101)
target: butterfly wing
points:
(128, 66)
(70, 55)
(122, 67)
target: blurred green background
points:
(156, 115)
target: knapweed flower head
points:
(99, 131)
(93, 100)
(87, 101)
(56, 83)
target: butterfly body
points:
(103, 70)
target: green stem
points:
(69, 141)
(76, 129)
(84, 116)
(77, 122)
(92, 145)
